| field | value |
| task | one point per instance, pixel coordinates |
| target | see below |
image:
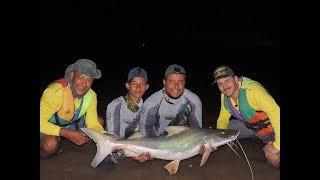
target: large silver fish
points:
(181, 143)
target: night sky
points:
(242, 34)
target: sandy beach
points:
(223, 164)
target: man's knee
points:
(244, 131)
(48, 145)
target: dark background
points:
(119, 36)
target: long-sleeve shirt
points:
(121, 121)
(51, 102)
(259, 100)
(159, 111)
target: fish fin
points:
(172, 166)
(103, 143)
(171, 130)
(135, 136)
(205, 155)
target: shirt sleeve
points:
(260, 99)
(224, 116)
(50, 103)
(197, 111)
(110, 118)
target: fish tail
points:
(103, 143)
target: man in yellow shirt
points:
(255, 112)
(68, 104)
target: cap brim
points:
(222, 76)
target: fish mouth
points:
(237, 133)
(235, 136)
(232, 133)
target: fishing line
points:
(246, 158)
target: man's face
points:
(175, 85)
(81, 82)
(228, 85)
(136, 88)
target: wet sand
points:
(223, 164)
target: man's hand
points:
(203, 149)
(272, 154)
(113, 137)
(77, 137)
(143, 157)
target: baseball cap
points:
(85, 66)
(174, 69)
(137, 72)
(222, 72)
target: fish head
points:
(220, 137)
